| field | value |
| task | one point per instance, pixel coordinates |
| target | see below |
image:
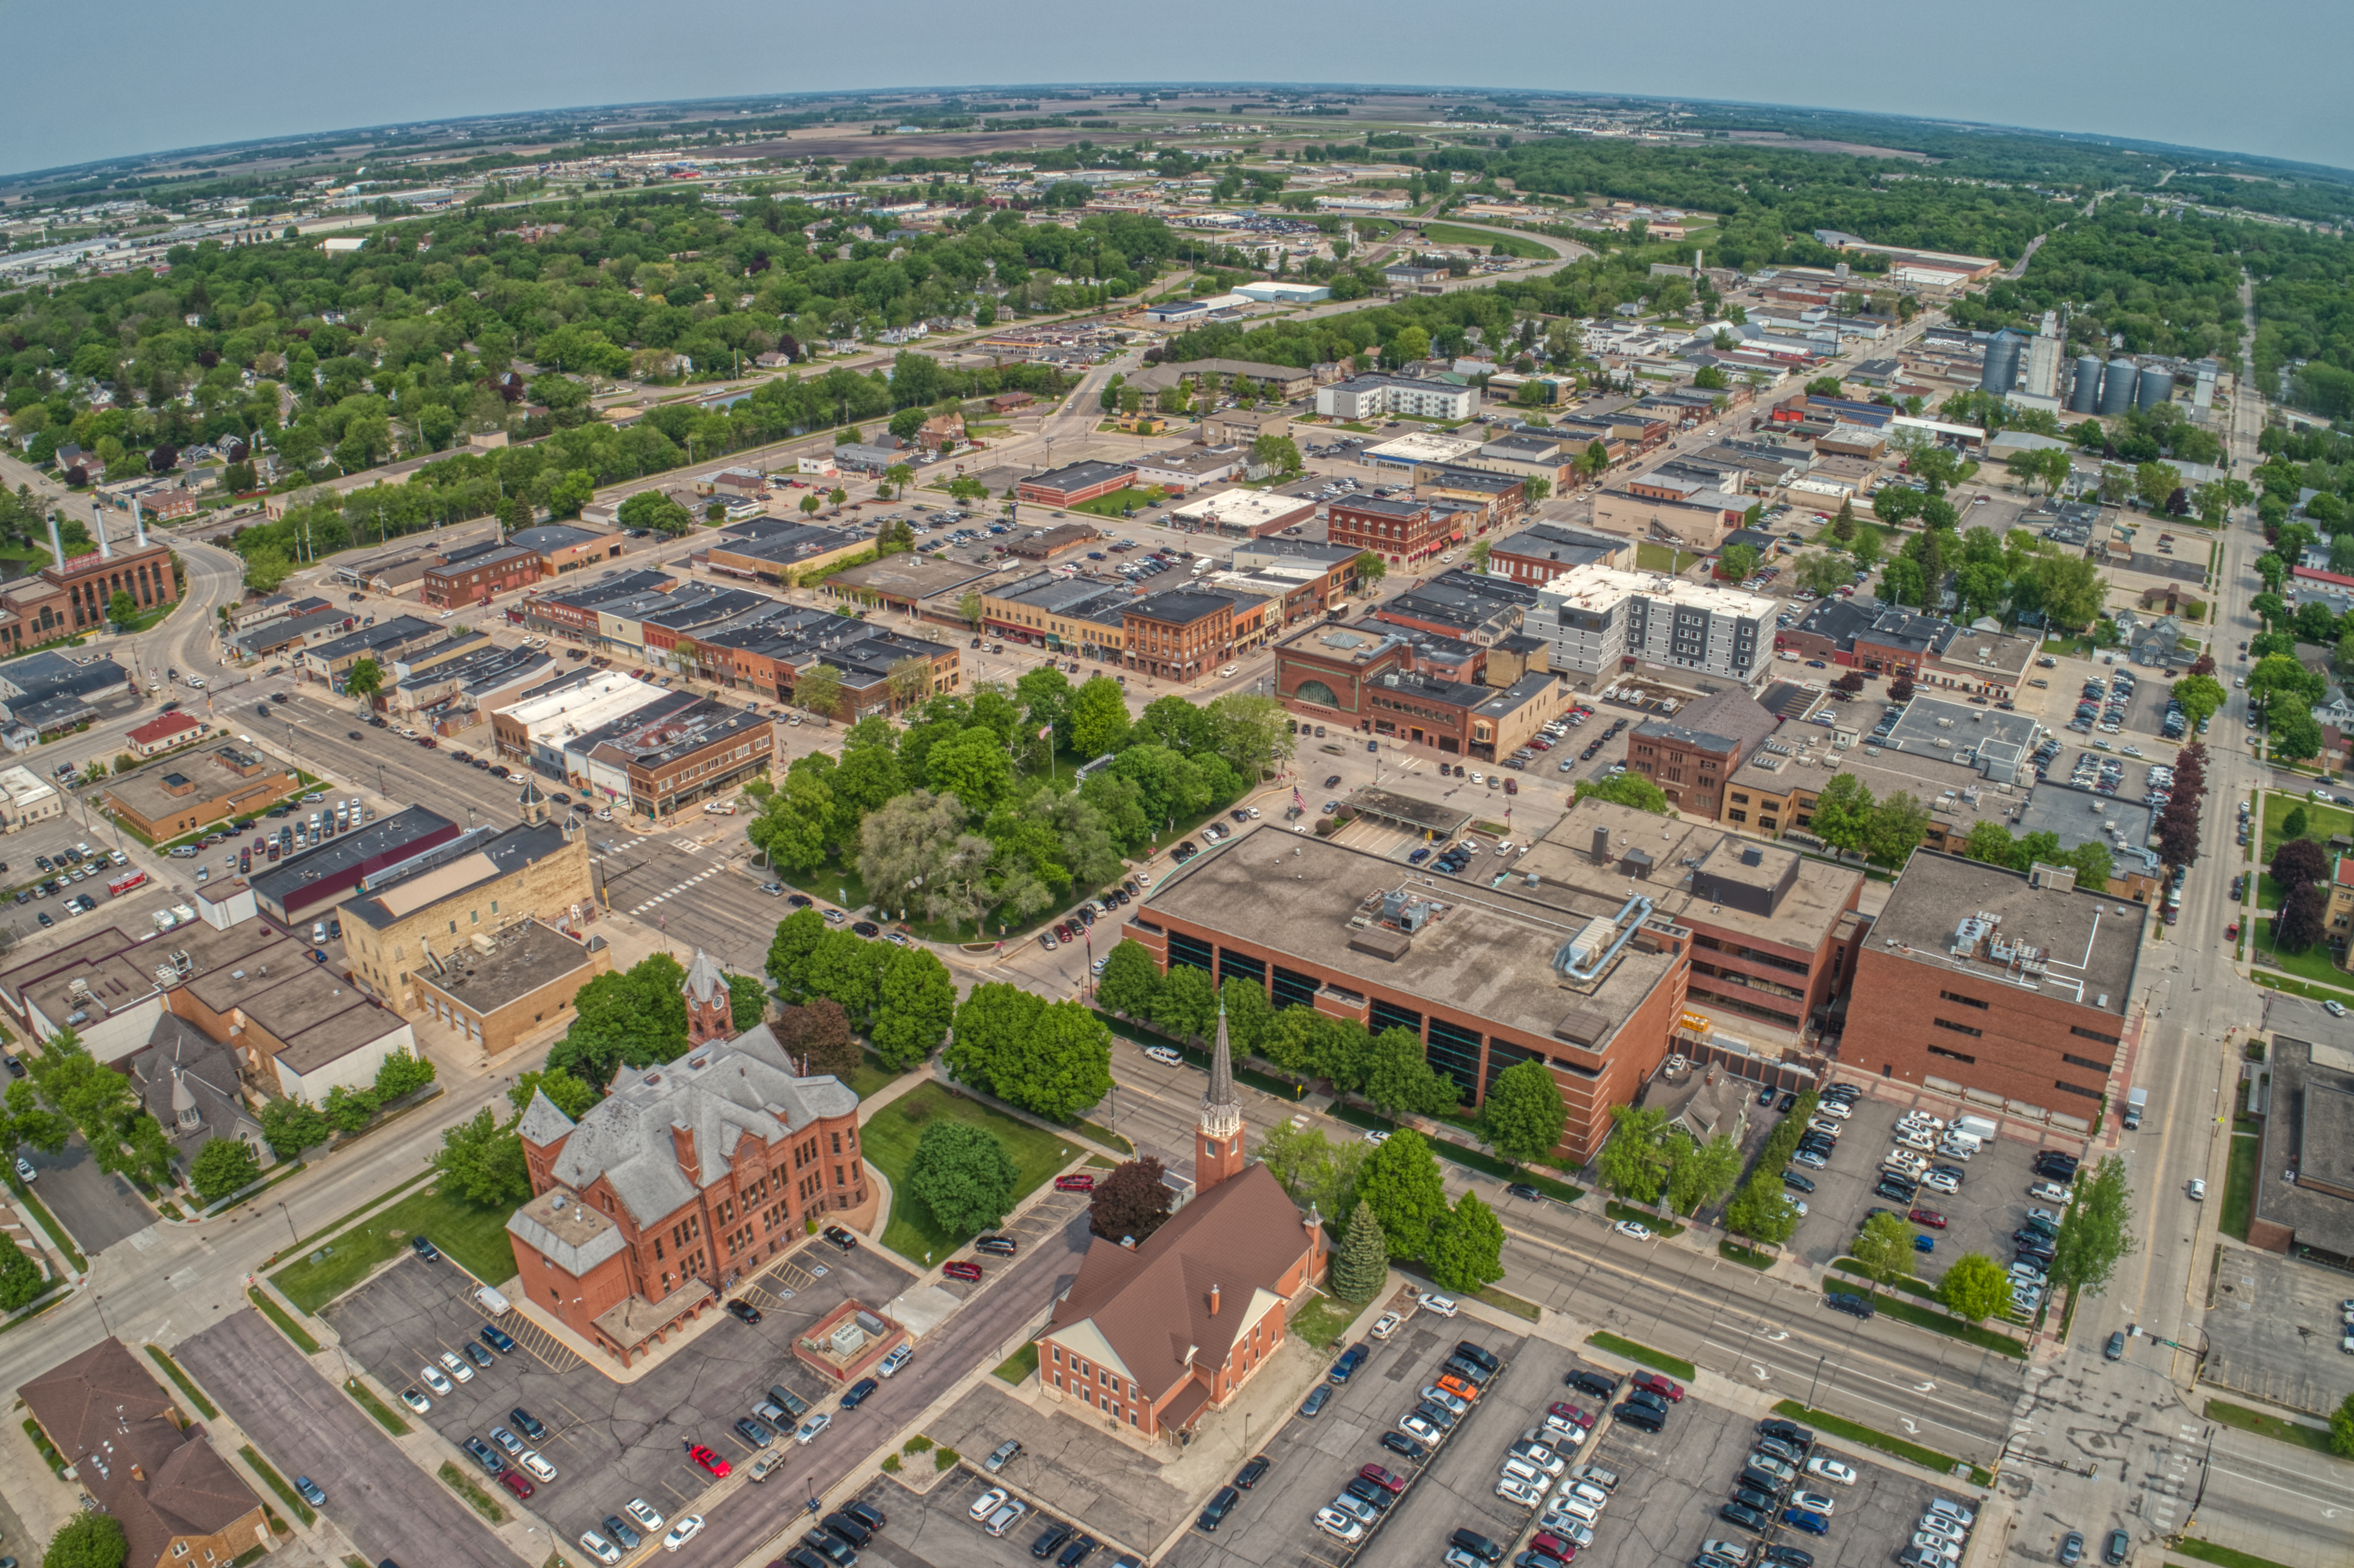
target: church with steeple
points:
(1152, 1335)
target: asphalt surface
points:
(304, 1424)
(96, 1209)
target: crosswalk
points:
(2170, 1476)
(659, 899)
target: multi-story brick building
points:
(1542, 551)
(1180, 635)
(73, 596)
(685, 1178)
(1591, 985)
(479, 576)
(1155, 1333)
(1075, 482)
(2008, 985)
(1693, 755)
(480, 883)
(1398, 530)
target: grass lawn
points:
(365, 1398)
(2225, 1556)
(2321, 822)
(196, 1395)
(1018, 1365)
(1322, 1321)
(1450, 234)
(1840, 1426)
(2239, 1185)
(1659, 558)
(475, 1237)
(2263, 1425)
(1659, 1227)
(1674, 1366)
(1123, 499)
(22, 1192)
(872, 1077)
(292, 1499)
(1747, 1256)
(2314, 964)
(269, 1308)
(891, 1138)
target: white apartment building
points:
(1597, 617)
(1375, 397)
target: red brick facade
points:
(1910, 1019)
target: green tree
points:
(289, 1127)
(1975, 1288)
(1735, 563)
(2342, 1428)
(364, 680)
(818, 689)
(1898, 823)
(1524, 1115)
(913, 1015)
(1129, 980)
(88, 1541)
(1400, 1081)
(484, 1160)
(2199, 695)
(1360, 1268)
(1185, 1006)
(20, 1276)
(1466, 1248)
(797, 936)
(972, 608)
(655, 512)
(1702, 1173)
(1098, 711)
(1761, 1210)
(1884, 1249)
(224, 1165)
(1634, 1160)
(1280, 453)
(1051, 1059)
(1369, 569)
(964, 1175)
(794, 822)
(1625, 790)
(1844, 813)
(633, 1018)
(122, 609)
(564, 1092)
(402, 1073)
(1400, 1184)
(2095, 1231)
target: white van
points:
(719, 808)
(491, 1302)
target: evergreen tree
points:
(1363, 1265)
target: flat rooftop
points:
(345, 851)
(529, 956)
(181, 779)
(2311, 1091)
(1961, 725)
(1800, 900)
(1987, 922)
(910, 575)
(1488, 952)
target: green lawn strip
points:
(2314, 1437)
(1748, 1256)
(872, 1077)
(22, 1193)
(1855, 1432)
(162, 1358)
(2225, 1556)
(891, 1134)
(1106, 1137)
(1018, 1365)
(2239, 1185)
(1924, 1318)
(1450, 233)
(1618, 1211)
(1322, 1321)
(345, 1218)
(386, 1416)
(474, 1237)
(286, 1494)
(47, 1450)
(1446, 1149)
(287, 1326)
(463, 1485)
(1665, 1363)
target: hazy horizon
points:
(2152, 72)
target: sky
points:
(2253, 76)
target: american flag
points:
(1297, 803)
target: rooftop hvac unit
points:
(485, 944)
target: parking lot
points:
(1311, 1458)
(97, 1209)
(1670, 1486)
(611, 1442)
(1992, 1202)
(2274, 1328)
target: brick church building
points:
(684, 1179)
(1154, 1334)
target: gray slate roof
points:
(721, 1093)
(542, 1123)
(574, 1259)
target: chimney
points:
(97, 527)
(139, 1475)
(681, 1144)
(1213, 1300)
(1602, 846)
(138, 522)
(57, 545)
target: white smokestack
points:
(97, 527)
(57, 545)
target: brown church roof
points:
(1152, 1305)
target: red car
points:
(710, 1461)
(1666, 1388)
(1551, 1545)
(1078, 1182)
(961, 1270)
(1388, 1480)
(513, 1482)
(1929, 1217)
(1570, 1413)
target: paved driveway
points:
(304, 1426)
(97, 1209)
